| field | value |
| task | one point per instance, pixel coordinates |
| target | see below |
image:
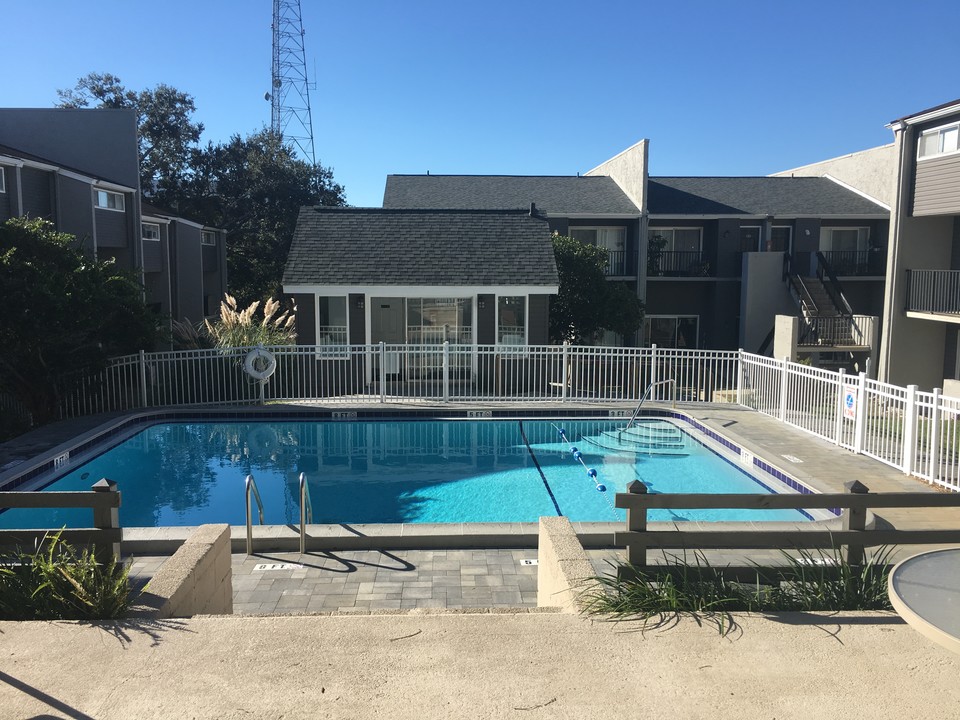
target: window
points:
(939, 141)
(844, 239)
(511, 320)
(676, 239)
(108, 200)
(150, 231)
(3, 181)
(332, 319)
(612, 239)
(674, 251)
(208, 237)
(671, 331)
(439, 320)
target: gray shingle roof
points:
(783, 196)
(372, 246)
(566, 195)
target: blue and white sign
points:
(850, 402)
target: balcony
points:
(857, 263)
(936, 292)
(677, 263)
(620, 263)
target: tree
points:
(588, 303)
(253, 188)
(166, 130)
(63, 312)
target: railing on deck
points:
(678, 263)
(856, 263)
(840, 331)
(933, 291)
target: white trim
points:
(851, 188)
(841, 216)
(334, 352)
(155, 220)
(73, 175)
(149, 239)
(593, 216)
(935, 317)
(932, 115)
(938, 129)
(208, 232)
(3, 180)
(102, 184)
(96, 198)
(423, 291)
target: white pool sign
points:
(850, 402)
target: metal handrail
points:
(646, 394)
(306, 511)
(251, 484)
(833, 286)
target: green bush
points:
(814, 581)
(58, 582)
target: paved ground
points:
(486, 666)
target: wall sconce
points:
(360, 303)
(481, 304)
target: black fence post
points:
(855, 518)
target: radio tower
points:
(290, 95)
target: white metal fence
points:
(916, 432)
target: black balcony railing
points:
(677, 263)
(620, 263)
(857, 262)
(934, 291)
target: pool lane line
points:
(539, 469)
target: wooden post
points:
(107, 519)
(855, 519)
(637, 522)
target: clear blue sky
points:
(519, 87)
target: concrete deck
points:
(488, 666)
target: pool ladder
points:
(646, 394)
(306, 510)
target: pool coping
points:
(401, 535)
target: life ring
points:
(260, 363)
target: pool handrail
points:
(646, 394)
(251, 484)
(306, 511)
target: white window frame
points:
(835, 228)
(121, 203)
(3, 179)
(940, 130)
(204, 234)
(526, 320)
(153, 225)
(676, 319)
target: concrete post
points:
(786, 336)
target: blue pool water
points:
(183, 474)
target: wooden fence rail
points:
(104, 535)
(853, 534)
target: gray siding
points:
(306, 319)
(937, 187)
(152, 256)
(37, 193)
(6, 198)
(112, 228)
(487, 320)
(538, 331)
(356, 319)
(187, 281)
(76, 210)
(211, 256)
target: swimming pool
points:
(399, 471)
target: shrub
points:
(57, 582)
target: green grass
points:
(814, 581)
(57, 582)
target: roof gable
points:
(783, 196)
(372, 246)
(554, 195)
